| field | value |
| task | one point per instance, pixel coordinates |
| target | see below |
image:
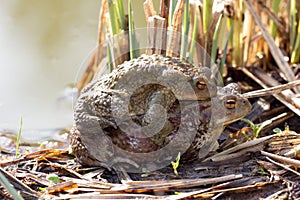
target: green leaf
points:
(53, 178)
(251, 124)
(176, 164)
(262, 170)
(263, 125)
(277, 130)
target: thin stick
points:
(164, 13)
(271, 90)
(149, 9)
(240, 147)
(156, 35)
(174, 47)
(290, 161)
(283, 166)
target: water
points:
(43, 44)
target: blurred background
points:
(45, 45)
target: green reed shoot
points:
(296, 50)
(237, 57)
(14, 193)
(194, 37)
(207, 14)
(132, 37)
(256, 128)
(186, 27)
(121, 14)
(292, 23)
(19, 138)
(110, 59)
(171, 11)
(275, 8)
(215, 41)
(114, 23)
(222, 63)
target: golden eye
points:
(230, 103)
(200, 84)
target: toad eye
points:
(200, 83)
(230, 103)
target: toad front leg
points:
(155, 122)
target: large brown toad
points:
(150, 108)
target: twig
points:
(174, 47)
(239, 147)
(149, 9)
(276, 195)
(164, 10)
(283, 166)
(156, 35)
(164, 13)
(289, 161)
(183, 183)
(271, 90)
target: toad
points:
(150, 108)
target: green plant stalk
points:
(110, 60)
(221, 67)
(186, 27)
(292, 23)
(273, 27)
(237, 54)
(194, 37)
(10, 188)
(171, 11)
(256, 128)
(19, 138)
(132, 37)
(296, 50)
(215, 41)
(207, 14)
(230, 24)
(114, 23)
(121, 14)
